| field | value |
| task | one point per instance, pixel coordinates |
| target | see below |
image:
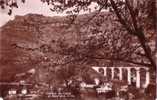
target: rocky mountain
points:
(22, 39)
(34, 40)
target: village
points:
(104, 88)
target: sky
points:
(30, 6)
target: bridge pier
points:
(120, 74)
(147, 78)
(138, 78)
(105, 71)
(129, 75)
(112, 73)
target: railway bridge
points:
(131, 73)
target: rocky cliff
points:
(22, 37)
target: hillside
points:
(37, 41)
(29, 33)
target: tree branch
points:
(119, 59)
(132, 15)
(121, 20)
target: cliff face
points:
(34, 40)
(26, 41)
(22, 38)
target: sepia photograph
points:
(78, 50)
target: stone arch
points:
(116, 73)
(125, 74)
(142, 77)
(108, 73)
(133, 76)
(101, 71)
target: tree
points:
(129, 15)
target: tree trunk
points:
(146, 49)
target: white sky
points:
(30, 6)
